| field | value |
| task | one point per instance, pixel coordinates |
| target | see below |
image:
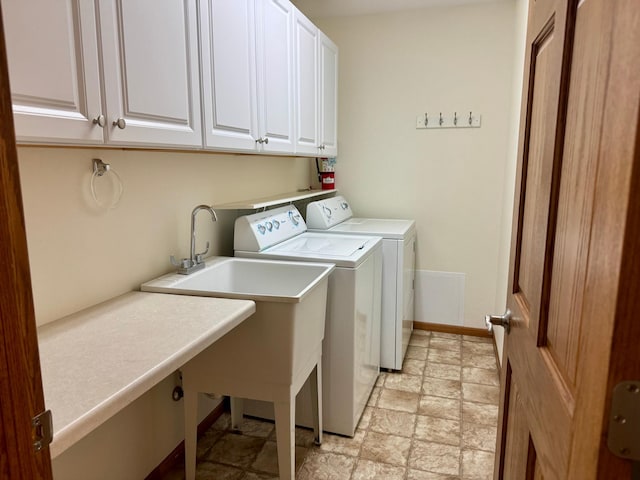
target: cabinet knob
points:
(120, 123)
(321, 147)
(262, 140)
(265, 140)
(100, 120)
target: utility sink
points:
(270, 355)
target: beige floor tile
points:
(237, 450)
(390, 449)
(417, 331)
(479, 361)
(215, 471)
(258, 476)
(480, 393)
(368, 470)
(267, 459)
(399, 400)
(422, 475)
(206, 441)
(445, 344)
(444, 356)
(373, 398)
(412, 366)
(438, 430)
(404, 382)
(326, 466)
(448, 408)
(256, 428)
(419, 340)
(477, 348)
(304, 437)
(439, 387)
(365, 419)
(450, 336)
(380, 379)
(479, 437)
(480, 413)
(435, 457)
(442, 370)
(418, 353)
(471, 338)
(393, 422)
(477, 465)
(480, 375)
(343, 445)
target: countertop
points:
(97, 361)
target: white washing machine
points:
(351, 346)
(334, 215)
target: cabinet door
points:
(227, 43)
(53, 68)
(274, 30)
(150, 72)
(306, 85)
(328, 97)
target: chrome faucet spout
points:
(196, 258)
(195, 261)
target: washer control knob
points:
(327, 211)
(344, 205)
(294, 218)
(262, 229)
(276, 224)
(269, 226)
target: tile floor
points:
(436, 420)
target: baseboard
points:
(177, 455)
(455, 329)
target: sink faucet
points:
(195, 262)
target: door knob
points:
(503, 320)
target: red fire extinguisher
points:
(326, 174)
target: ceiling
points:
(341, 8)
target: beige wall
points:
(396, 66)
(81, 255)
(520, 35)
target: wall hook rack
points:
(449, 121)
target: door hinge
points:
(42, 425)
(624, 422)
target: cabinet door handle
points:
(120, 123)
(100, 120)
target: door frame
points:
(21, 394)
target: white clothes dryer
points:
(351, 346)
(334, 215)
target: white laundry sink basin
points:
(232, 277)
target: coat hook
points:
(470, 119)
(455, 118)
(426, 119)
(441, 121)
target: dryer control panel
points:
(324, 214)
(255, 232)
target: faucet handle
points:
(199, 256)
(182, 263)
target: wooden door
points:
(54, 72)
(228, 61)
(21, 395)
(574, 281)
(151, 72)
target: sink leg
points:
(316, 401)
(237, 412)
(285, 413)
(190, 433)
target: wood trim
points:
(176, 457)
(455, 329)
(20, 382)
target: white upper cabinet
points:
(148, 84)
(53, 69)
(306, 85)
(328, 97)
(247, 68)
(150, 71)
(274, 40)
